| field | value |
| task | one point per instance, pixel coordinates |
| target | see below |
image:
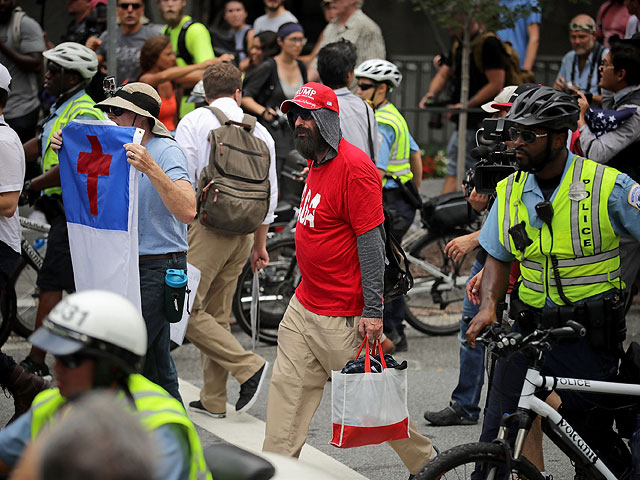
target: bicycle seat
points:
(228, 462)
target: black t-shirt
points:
(492, 59)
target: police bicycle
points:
(497, 460)
(19, 298)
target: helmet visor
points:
(54, 343)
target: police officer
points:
(399, 164)
(99, 340)
(70, 68)
(561, 216)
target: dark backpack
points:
(513, 74)
(234, 189)
(397, 276)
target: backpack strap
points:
(15, 25)
(248, 122)
(183, 53)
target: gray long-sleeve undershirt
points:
(371, 256)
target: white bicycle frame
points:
(529, 401)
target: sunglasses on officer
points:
(528, 136)
(366, 86)
(53, 68)
(72, 361)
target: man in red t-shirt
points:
(340, 252)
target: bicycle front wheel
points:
(24, 293)
(278, 282)
(478, 461)
(434, 304)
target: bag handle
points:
(367, 359)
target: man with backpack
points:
(190, 40)
(232, 226)
(487, 75)
(340, 249)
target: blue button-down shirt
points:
(581, 78)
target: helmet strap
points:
(69, 92)
(106, 374)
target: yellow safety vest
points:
(154, 407)
(584, 242)
(81, 106)
(399, 157)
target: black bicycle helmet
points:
(545, 107)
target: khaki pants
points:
(309, 347)
(220, 259)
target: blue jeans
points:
(402, 215)
(158, 363)
(471, 376)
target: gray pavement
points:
(433, 373)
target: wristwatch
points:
(27, 185)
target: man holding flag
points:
(165, 196)
(70, 68)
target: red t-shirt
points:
(341, 200)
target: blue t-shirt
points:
(159, 231)
(171, 443)
(624, 213)
(518, 35)
(387, 136)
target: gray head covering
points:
(328, 123)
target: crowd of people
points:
(333, 105)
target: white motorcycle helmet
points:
(100, 325)
(380, 71)
(75, 57)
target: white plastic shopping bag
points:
(369, 408)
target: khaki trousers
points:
(220, 259)
(309, 347)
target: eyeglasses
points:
(115, 111)
(53, 68)
(125, 6)
(528, 136)
(71, 361)
(366, 86)
(604, 65)
(294, 113)
(301, 40)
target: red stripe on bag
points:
(360, 436)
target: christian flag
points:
(100, 193)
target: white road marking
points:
(247, 432)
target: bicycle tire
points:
(461, 461)
(430, 306)
(7, 312)
(278, 282)
(25, 297)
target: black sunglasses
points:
(71, 361)
(116, 111)
(528, 136)
(53, 68)
(125, 6)
(366, 86)
(304, 114)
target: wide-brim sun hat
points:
(141, 99)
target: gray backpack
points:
(234, 189)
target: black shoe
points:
(249, 389)
(452, 415)
(39, 369)
(401, 344)
(196, 406)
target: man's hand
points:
(259, 258)
(481, 320)
(425, 100)
(56, 141)
(560, 83)
(225, 57)
(478, 201)
(473, 288)
(457, 248)
(582, 101)
(371, 327)
(93, 43)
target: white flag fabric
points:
(100, 194)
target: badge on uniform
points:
(634, 196)
(578, 191)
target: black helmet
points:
(545, 107)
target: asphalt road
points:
(432, 373)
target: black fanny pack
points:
(408, 191)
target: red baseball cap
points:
(313, 96)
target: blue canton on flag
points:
(604, 121)
(95, 174)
